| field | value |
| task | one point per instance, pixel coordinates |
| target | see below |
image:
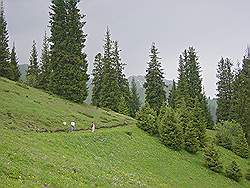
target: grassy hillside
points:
(123, 156)
(27, 108)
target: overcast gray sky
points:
(214, 27)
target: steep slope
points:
(27, 108)
(123, 156)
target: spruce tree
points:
(123, 107)
(45, 66)
(172, 96)
(182, 93)
(147, 119)
(224, 88)
(240, 97)
(239, 143)
(135, 101)
(154, 85)
(97, 80)
(233, 171)
(170, 130)
(110, 89)
(33, 68)
(5, 66)
(14, 64)
(122, 82)
(191, 142)
(190, 83)
(211, 157)
(68, 77)
(199, 122)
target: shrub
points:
(170, 131)
(233, 171)
(239, 144)
(223, 136)
(191, 141)
(230, 135)
(147, 119)
(211, 157)
(248, 175)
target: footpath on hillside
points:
(82, 129)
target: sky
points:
(215, 28)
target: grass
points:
(27, 108)
(114, 157)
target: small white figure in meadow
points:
(64, 123)
(72, 126)
(93, 127)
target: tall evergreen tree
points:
(182, 93)
(68, 76)
(122, 82)
(110, 89)
(14, 64)
(135, 101)
(240, 97)
(45, 60)
(190, 97)
(154, 85)
(33, 69)
(5, 66)
(97, 80)
(224, 88)
(172, 96)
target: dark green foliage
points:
(189, 86)
(147, 119)
(33, 69)
(224, 88)
(123, 107)
(199, 122)
(109, 96)
(45, 60)
(5, 66)
(211, 157)
(239, 144)
(14, 65)
(154, 85)
(111, 88)
(223, 135)
(233, 171)
(191, 142)
(68, 64)
(188, 122)
(231, 136)
(172, 96)
(193, 123)
(97, 80)
(248, 175)
(169, 129)
(135, 101)
(240, 98)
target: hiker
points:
(93, 127)
(72, 126)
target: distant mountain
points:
(23, 70)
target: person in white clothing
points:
(72, 126)
(93, 127)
